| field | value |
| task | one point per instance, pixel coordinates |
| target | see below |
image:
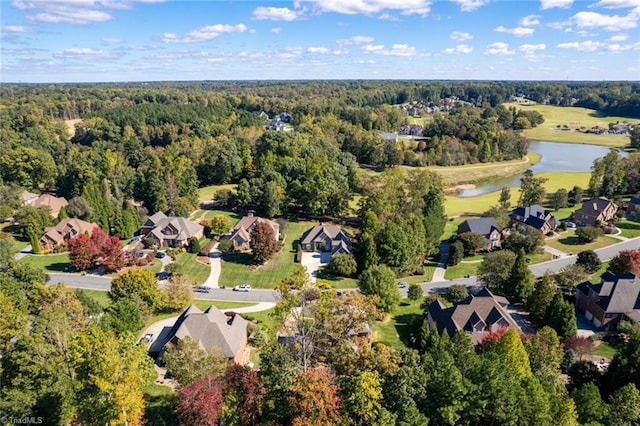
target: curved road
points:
(96, 282)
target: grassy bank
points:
(48, 262)
(574, 118)
(397, 328)
(206, 192)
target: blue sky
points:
(144, 40)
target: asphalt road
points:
(96, 282)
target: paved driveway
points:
(313, 261)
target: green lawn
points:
(461, 270)
(396, 329)
(451, 227)
(605, 350)
(206, 192)
(238, 268)
(569, 243)
(265, 319)
(49, 262)
(574, 118)
(566, 180)
(629, 229)
(159, 403)
(192, 269)
(233, 217)
(337, 282)
(429, 268)
(102, 297)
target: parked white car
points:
(242, 287)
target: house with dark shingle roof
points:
(211, 329)
(534, 216)
(476, 315)
(60, 234)
(241, 233)
(326, 237)
(485, 226)
(54, 203)
(597, 210)
(170, 231)
(615, 299)
(633, 208)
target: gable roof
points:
(65, 227)
(617, 293)
(51, 201)
(475, 315)
(483, 226)
(595, 206)
(153, 220)
(211, 328)
(340, 239)
(175, 228)
(249, 222)
(534, 215)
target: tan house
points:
(476, 315)
(615, 299)
(58, 235)
(44, 200)
(170, 231)
(241, 233)
(326, 237)
(211, 329)
(597, 210)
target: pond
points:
(556, 157)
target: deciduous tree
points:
(380, 281)
(263, 243)
(495, 269)
(200, 402)
(179, 291)
(187, 362)
(626, 261)
(137, 282)
(589, 260)
(315, 398)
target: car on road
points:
(402, 284)
(242, 287)
(160, 254)
(570, 224)
(203, 289)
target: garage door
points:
(588, 315)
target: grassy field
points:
(159, 403)
(49, 262)
(102, 297)
(396, 329)
(629, 229)
(575, 118)
(206, 192)
(192, 269)
(461, 270)
(605, 350)
(238, 269)
(569, 243)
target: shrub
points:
(456, 253)
(226, 246)
(194, 246)
(588, 234)
(589, 260)
(414, 292)
(343, 265)
(457, 292)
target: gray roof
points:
(617, 293)
(483, 226)
(154, 219)
(340, 240)
(175, 228)
(594, 206)
(211, 329)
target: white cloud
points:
(387, 17)
(395, 50)
(618, 37)
(263, 13)
(207, 33)
(87, 53)
(112, 40)
(617, 4)
(461, 48)
(79, 12)
(369, 7)
(215, 60)
(460, 36)
(370, 48)
(530, 21)
(470, 5)
(15, 29)
(276, 30)
(585, 46)
(549, 4)
(498, 48)
(607, 22)
(355, 40)
(320, 50)
(531, 51)
(518, 31)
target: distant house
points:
(534, 216)
(615, 299)
(485, 226)
(597, 210)
(633, 208)
(389, 137)
(476, 315)
(44, 200)
(241, 233)
(170, 231)
(58, 235)
(211, 329)
(326, 238)
(410, 129)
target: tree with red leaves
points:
(626, 261)
(490, 339)
(81, 252)
(315, 398)
(111, 255)
(200, 402)
(243, 396)
(263, 242)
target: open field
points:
(461, 270)
(238, 268)
(71, 125)
(396, 329)
(569, 243)
(206, 192)
(189, 267)
(575, 118)
(48, 262)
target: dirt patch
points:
(71, 125)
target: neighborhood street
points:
(96, 282)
